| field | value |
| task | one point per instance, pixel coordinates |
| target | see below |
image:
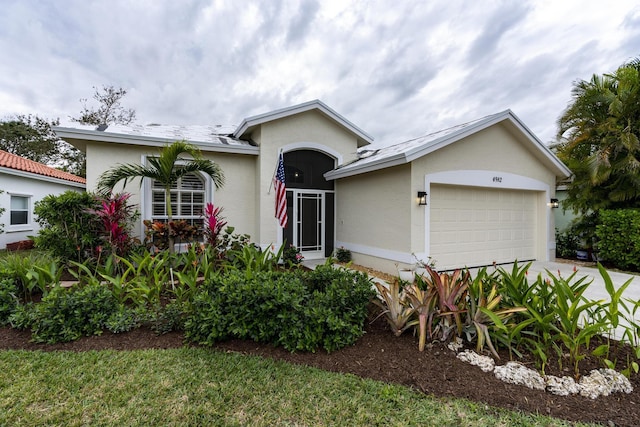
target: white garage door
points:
(473, 226)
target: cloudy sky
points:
(396, 68)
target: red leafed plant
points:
(213, 224)
(115, 215)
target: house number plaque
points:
(497, 179)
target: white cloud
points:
(396, 69)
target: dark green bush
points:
(301, 311)
(123, 320)
(335, 315)
(567, 243)
(618, 236)
(343, 255)
(69, 229)
(66, 314)
(167, 318)
(8, 299)
(207, 320)
(23, 316)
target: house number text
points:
(497, 179)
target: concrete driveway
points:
(596, 290)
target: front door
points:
(308, 225)
(310, 203)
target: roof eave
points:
(150, 141)
(559, 168)
(37, 176)
(398, 159)
(249, 123)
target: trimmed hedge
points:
(618, 236)
(324, 308)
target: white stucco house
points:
(25, 182)
(470, 195)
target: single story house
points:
(25, 182)
(470, 195)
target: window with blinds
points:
(187, 200)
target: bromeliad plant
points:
(423, 300)
(392, 299)
(485, 315)
(451, 289)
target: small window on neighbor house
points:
(19, 210)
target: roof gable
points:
(17, 163)
(407, 151)
(251, 122)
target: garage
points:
(475, 226)
(467, 196)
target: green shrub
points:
(619, 238)
(167, 318)
(8, 300)
(284, 308)
(123, 320)
(343, 255)
(22, 317)
(567, 243)
(340, 310)
(291, 255)
(66, 314)
(207, 321)
(69, 229)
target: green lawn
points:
(202, 387)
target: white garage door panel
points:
(473, 226)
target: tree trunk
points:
(167, 197)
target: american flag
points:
(281, 194)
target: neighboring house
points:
(488, 184)
(24, 183)
(563, 218)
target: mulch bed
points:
(381, 356)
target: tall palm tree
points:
(165, 170)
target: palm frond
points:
(108, 180)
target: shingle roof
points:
(12, 161)
(218, 134)
(371, 159)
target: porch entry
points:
(310, 203)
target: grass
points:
(202, 387)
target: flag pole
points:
(275, 170)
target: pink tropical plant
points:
(115, 214)
(213, 223)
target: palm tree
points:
(599, 134)
(165, 170)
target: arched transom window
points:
(187, 200)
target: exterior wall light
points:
(554, 203)
(422, 198)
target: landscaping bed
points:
(381, 356)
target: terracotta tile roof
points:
(11, 161)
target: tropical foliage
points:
(599, 140)
(165, 169)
